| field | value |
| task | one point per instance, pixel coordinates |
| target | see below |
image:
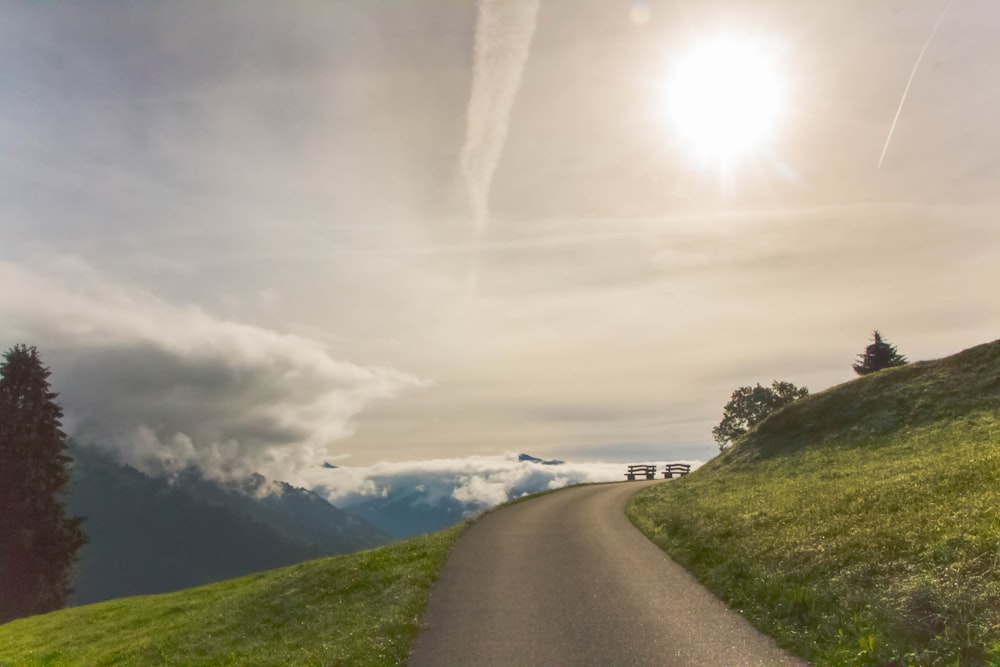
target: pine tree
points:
(38, 543)
(880, 354)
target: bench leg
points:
(668, 475)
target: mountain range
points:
(152, 535)
(419, 505)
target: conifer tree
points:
(880, 354)
(38, 543)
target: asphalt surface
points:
(565, 579)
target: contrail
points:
(504, 29)
(909, 82)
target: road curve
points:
(565, 579)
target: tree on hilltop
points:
(749, 405)
(880, 354)
(38, 543)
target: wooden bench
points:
(679, 468)
(646, 469)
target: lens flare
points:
(724, 98)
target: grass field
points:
(858, 526)
(358, 609)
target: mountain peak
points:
(528, 458)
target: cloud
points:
(503, 38)
(170, 386)
(477, 482)
(306, 190)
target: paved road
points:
(565, 579)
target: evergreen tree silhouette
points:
(880, 354)
(38, 543)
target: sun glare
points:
(724, 98)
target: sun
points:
(724, 98)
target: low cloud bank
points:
(475, 482)
(167, 387)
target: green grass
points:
(859, 526)
(358, 609)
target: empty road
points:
(565, 579)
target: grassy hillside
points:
(358, 609)
(860, 525)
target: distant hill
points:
(918, 394)
(147, 535)
(411, 512)
(296, 514)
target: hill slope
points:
(858, 525)
(357, 609)
(906, 397)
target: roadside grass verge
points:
(356, 609)
(862, 544)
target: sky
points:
(262, 235)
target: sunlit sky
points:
(263, 235)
